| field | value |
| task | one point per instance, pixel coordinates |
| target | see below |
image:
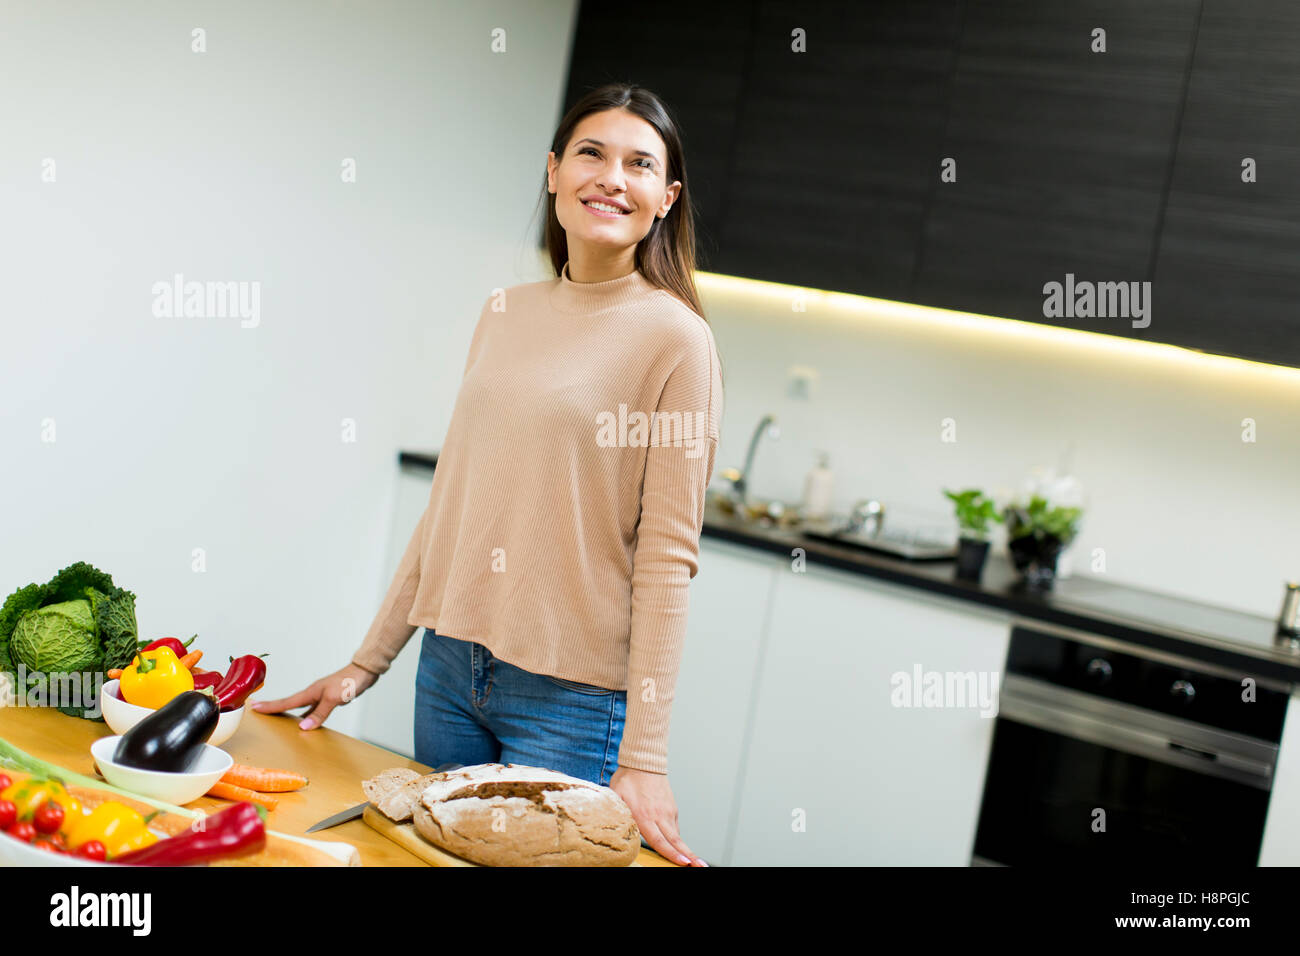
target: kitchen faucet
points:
(740, 482)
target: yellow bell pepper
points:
(154, 678)
(29, 794)
(116, 826)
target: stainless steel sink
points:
(912, 545)
(766, 513)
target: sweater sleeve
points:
(389, 631)
(667, 554)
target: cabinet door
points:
(873, 783)
(1281, 843)
(837, 145)
(715, 685)
(1228, 272)
(1062, 154)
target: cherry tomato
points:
(5, 781)
(46, 845)
(8, 814)
(57, 839)
(22, 830)
(91, 850)
(48, 818)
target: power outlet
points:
(800, 382)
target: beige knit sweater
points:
(563, 525)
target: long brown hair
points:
(666, 256)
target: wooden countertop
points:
(334, 764)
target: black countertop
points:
(1231, 639)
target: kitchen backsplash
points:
(1189, 464)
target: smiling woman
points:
(550, 568)
(616, 193)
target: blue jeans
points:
(472, 707)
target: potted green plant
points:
(1037, 533)
(974, 512)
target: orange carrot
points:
(190, 659)
(263, 779)
(114, 674)
(196, 671)
(228, 791)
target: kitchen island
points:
(334, 764)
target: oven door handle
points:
(1138, 732)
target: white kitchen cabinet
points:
(1281, 843)
(715, 686)
(835, 773)
(388, 707)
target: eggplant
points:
(172, 737)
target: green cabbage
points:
(78, 622)
(57, 638)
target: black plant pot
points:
(971, 553)
(1035, 559)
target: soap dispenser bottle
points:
(817, 489)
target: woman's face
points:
(614, 157)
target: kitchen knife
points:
(353, 813)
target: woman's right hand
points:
(341, 687)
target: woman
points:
(550, 568)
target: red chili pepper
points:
(234, 831)
(211, 679)
(246, 674)
(176, 646)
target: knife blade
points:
(352, 813)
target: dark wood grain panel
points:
(1228, 271)
(1063, 154)
(834, 147)
(822, 168)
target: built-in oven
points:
(1106, 752)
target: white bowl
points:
(179, 788)
(121, 716)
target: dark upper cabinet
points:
(1062, 154)
(1228, 273)
(835, 148)
(822, 168)
(692, 56)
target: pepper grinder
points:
(1288, 629)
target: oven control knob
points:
(1099, 670)
(1183, 690)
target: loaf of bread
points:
(510, 815)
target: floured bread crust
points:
(510, 815)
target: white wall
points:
(1179, 503)
(182, 433)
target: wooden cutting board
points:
(408, 838)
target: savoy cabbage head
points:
(78, 622)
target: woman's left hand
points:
(651, 801)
